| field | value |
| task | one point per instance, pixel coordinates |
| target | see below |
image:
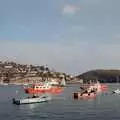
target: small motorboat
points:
(33, 99)
(88, 93)
(79, 95)
(117, 91)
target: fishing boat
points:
(43, 87)
(96, 86)
(84, 93)
(30, 100)
(79, 95)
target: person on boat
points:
(84, 92)
(34, 96)
(93, 91)
(88, 91)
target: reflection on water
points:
(31, 106)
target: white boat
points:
(25, 84)
(34, 99)
(53, 82)
(5, 84)
(117, 91)
(63, 83)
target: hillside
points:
(106, 76)
(11, 72)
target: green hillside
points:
(106, 76)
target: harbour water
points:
(106, 106)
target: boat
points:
(117, 91)
(30, 100)
(53, 82)
(25, 84)
(63, 83)
(79, 95)
(5, 84)
(2, 83)
(96, 86)
(43, 87)
(85, 93)
(100, 87)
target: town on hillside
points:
(11, 72)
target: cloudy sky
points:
(72, 36)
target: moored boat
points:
(96, 86)
(30, 100)
(79, 95)
(43, 87)
(85, 93)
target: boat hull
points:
(51, 90)
(78, 95)
(31, 100)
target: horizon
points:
(69, 36)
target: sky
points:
(71, 36)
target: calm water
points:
(105, 107)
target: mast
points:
(117, 79)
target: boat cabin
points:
(40, 86)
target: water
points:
(105, 107)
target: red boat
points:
(43, 87)
(101, 87)
(79, 95)
(96, 86)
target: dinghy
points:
(33, 99)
